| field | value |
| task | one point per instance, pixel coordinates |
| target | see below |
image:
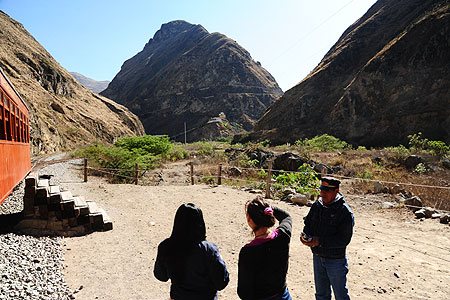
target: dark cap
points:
(329, 183)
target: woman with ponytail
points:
(193, 265)
(263, 263)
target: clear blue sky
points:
(95, 37)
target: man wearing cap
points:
(328, 230)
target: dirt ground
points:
(391, 256)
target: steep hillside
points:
(63, 113)
(93, 85)
(385, 78)
(186, 74)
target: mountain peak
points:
(174, 28)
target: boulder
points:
(412, 161)
(395, 189)
(387, 205)
(378, 187)
(446, 164)
(420, 213)
(288, 161)
(235, 171)
(414, 203)
(298, 198)
(444, 219)
(262, 156)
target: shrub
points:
(436, 148)
(324, 142)
(147, 143)
(303, 181)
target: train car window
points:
(27, 128)
(7, 119)
(13, 123)
(22, 129)
(17, 125)
(2, 118)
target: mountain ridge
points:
(383, 80)
(63, 113)
(186, 74)
(92, 84)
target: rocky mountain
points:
(387, 76)
(63, 113)
(185, 74)
(93, 85)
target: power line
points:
(310, 32)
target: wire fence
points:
(261, 179)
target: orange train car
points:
(15, 158)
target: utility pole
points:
(185, 133)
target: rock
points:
(288, 161)
(262, 156)
(446, 164)
(322, 168)
(413, 203)
(298, 198)
(386, 205)
(444, 219)
(235, 171)
(412, 161)
(378, 187)
(395, 189)
(428, 212)
(436, 216)
(420, 213)
(288, 191)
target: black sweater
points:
(205, 272)
(262, 268)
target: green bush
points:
(303, 181)
(324, 142)
(146, 151)
(436, 148)
(177, 152)
(147, 143)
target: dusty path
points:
(392, 255)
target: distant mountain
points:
(185, 74)
(93, 85)
(386, 77)
(63, 113)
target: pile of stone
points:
(412, 202)
(50, 210)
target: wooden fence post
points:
(136, 173)
(268, 181)
(192, 173)
(85, 170)
(219, 176)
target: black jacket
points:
(206, 272)
(262, 268)
(333, 224)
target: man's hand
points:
(313, 243)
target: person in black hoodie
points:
(193, 265)
(328, 230)
(263, 263)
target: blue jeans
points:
(329, 272)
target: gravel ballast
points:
(32, 267)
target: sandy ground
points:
(391, 256)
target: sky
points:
(95, 37)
